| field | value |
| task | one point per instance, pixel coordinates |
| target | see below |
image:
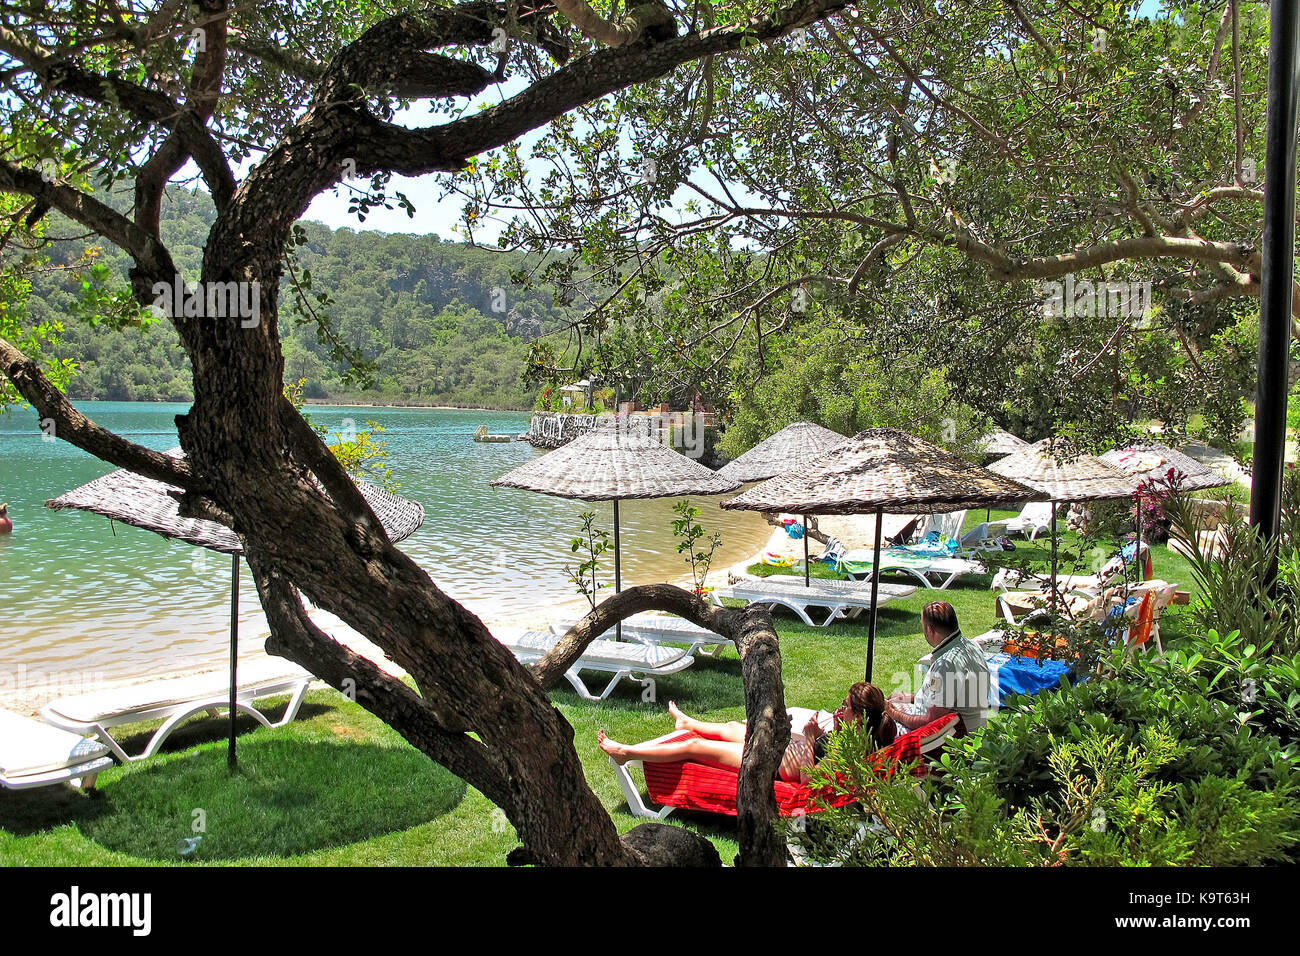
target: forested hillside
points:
(440, 320)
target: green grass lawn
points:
(339, 787)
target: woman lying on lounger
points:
(720, 745)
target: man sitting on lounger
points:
(958, 680)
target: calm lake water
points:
(84, 596)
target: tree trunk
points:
(256, 457)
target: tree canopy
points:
(917, 176)
(1041, 212)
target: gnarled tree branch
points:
(653, 19)
(75, 428)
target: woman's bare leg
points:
(717, 753)
(732, 730)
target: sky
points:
(433, 215)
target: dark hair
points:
(868, 702)
(941, 616)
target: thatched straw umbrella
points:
(1062, 475)
(1151, 462)
(998, 444)
(1001, 443)
(133, 499)
(790, 448)
(613, 462)
(879, 469)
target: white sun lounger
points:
(1034, 518)
(936, 571)
(843, 599)
(33, 754)
(670, 629)
(177, 700)
(621, 659)
(948, 524)
(945, 570)
(1086, 586)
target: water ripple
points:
(84, 595)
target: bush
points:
(1229, 669)
(1149, 512)
(1190, 759)
(1231, 596)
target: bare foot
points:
(683, 722)
(616, 750)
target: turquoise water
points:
(86, 599)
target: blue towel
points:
(933, 545)
(1025, 675)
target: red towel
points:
(695, 786)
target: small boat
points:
(481, 434)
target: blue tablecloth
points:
(1025, 675)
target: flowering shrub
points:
(1148, 509)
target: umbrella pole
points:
(875, 592)
(807, 571)
(1137, 555)
(618, 571)
(232, 760)
(1053, 597)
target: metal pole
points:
(1137, 556)
(1052, 598)
(232, 759)
(875, 592)
(618, 570)
(1276, 273)
(807, 571)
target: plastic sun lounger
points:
(1034, 518)
(918, 565)
(686, 785)
(930, 566)
(946, 524)
(33, 754)
(1138, 623)
(844, 599)
(1111, 573)
(621, 659)
(670, 629)
(176, 701)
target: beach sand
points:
(854, 531)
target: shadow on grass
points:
(26, 812)
(206, 729)
(23, 813)
(289, 796)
